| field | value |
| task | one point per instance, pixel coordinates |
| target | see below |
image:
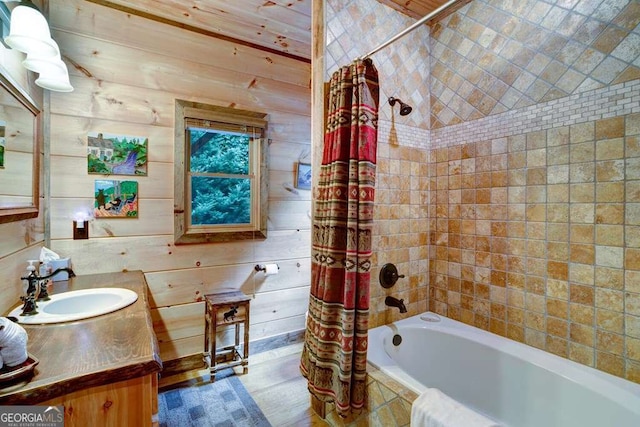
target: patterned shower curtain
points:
(334, 355)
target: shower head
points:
(404, 108)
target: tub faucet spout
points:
(395, 302)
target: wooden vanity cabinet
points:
(104, 370)
(131, 402)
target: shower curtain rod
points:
(411, 28)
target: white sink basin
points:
(78, 305)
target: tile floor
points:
(275, 383)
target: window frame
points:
(186, 233)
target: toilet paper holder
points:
(263, 267)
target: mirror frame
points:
(19, 213)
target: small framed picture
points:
(115, 199)
(303, 176)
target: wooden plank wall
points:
(21, 240)
(127, 72)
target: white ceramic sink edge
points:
(77, 305)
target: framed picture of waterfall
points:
(115, 199)
(109, 154)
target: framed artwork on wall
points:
(303, 176)
(109, 154)
(115, 199)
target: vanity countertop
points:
(91, 352)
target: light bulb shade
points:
(29, 32)
(54, 77)
(37, 62)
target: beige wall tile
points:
(581, 273)
(632, 146)
(609, 278)
(610, 170)
(582, 152)
(555, 156)
(632, 303)
(610, 299)
(582, 253)
(609, 342)
(610, 192)
(557, 346)
(633, 371)
(612, 321)
(583, 314)
(632, 325)
(558, 193)
(557, 308)
(610, 128)
(582, 132)
(610, 213)
(632, 259)
(632, 214)
(582, 193)
(582, 213)
(632, 124)
(582, 233)
(582, 172)
(581, 353)
(582, 334)
(610, 149)
(610, 235)
(633, 348)
(609, 256)
(610, 363)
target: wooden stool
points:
(228, 308)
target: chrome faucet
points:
(395, 302)
(36, 291)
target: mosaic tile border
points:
(612, 101)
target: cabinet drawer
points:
(231, 313)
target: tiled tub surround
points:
(388, 403)
(535, 226)
(530, 219)
(400, 220)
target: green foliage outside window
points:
(220, 185)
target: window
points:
(220, 174)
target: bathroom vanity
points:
(104, 369)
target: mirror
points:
(19, 154)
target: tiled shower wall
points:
(535, 226)
(493, 56)
(527, 186)
(401, 221)
(355, 27)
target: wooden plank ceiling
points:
(279, 26)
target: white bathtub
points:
(509, 382)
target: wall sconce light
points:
(80, 226)
(80, 230)
(29, 33)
